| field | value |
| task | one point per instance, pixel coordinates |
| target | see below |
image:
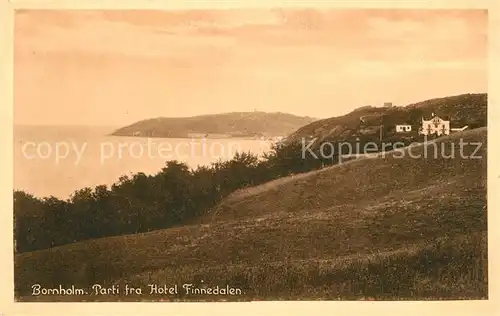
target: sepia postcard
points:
(233, 152)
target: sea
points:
(57, 160)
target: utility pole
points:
(381, 128)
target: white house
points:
(435, 125)
(403, 128)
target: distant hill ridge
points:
(462, 110)
(233, 124)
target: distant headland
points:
(226, 125)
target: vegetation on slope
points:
(238, 124)
(366, 179)
(386, 227)
(364, 123)
(140, 203)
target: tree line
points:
(140, 203)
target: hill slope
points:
(461, 110)
(238, 124)
(386, 227)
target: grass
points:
(382, 228)
(411, 272)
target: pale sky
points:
(117, 67)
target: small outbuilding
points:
(403, 128)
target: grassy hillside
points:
(365, 122)
(242, 124)
(386, 227)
